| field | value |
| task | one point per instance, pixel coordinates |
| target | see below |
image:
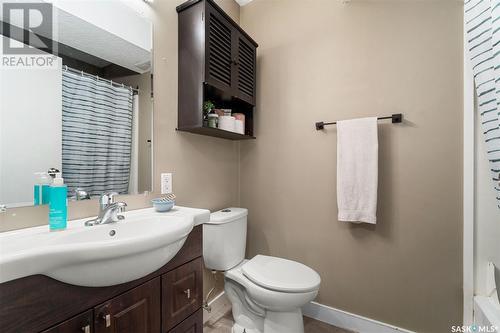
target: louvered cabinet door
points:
(219, 58)
(246, 70)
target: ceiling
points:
(98, 42)
(96, 36)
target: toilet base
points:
(277, 322)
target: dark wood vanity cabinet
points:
(82, 323)
(168, 300)
(182, 293)
(137, 310)
(221, 67)
(193, 324)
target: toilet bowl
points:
(266, 293)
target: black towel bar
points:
(396, 118)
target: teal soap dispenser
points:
(41, 189)
(58, 207)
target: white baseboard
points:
(348, 321)
(324, 313)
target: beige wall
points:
(321, 60)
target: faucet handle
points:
(107, 198)
(115, 209)
(120, 206)
(80, 194)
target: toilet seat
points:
(282, 275)
(265, 298)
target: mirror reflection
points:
(87, 115)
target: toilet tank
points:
(225, 238)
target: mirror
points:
(76, 97)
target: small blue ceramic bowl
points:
(162, 204)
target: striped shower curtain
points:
(97, 135)
(482, 19)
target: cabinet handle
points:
(188, 293)
(86, 329)
(107, 318)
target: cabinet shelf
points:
(217, 132)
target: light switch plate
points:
(166, 183)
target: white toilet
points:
(266, 293)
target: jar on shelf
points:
(212, 120)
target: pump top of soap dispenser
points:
(42, 178)
(58, 180)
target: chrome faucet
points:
(80, 194)
(109, 210)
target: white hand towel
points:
(357, 170)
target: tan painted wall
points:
(321, 60)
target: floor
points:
(224, 324)
(220, 321)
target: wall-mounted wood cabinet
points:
(217, 62)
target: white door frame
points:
(468, 186)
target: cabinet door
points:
(246, 69)
(78, 324)
(181, 293)
(138, 310)
(218, 58)
(193, 324)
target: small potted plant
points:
(208, 106)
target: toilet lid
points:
(280, 274)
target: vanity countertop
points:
(99, 255)
(199, 216)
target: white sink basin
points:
(100, 255)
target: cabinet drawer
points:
(137, 310)
(193, 324)
(78, 324)
(181, 293)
